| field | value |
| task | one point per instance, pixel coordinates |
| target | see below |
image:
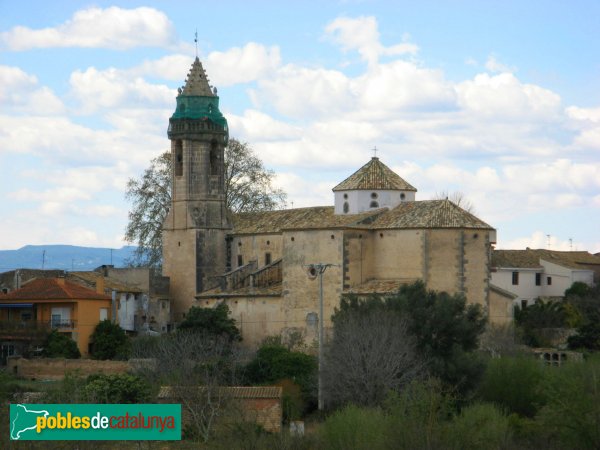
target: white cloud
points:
(20, 93)
(541, 240)
(362, 34)
(242, 64)
(493, 65)
(111, 88)
(113, 27)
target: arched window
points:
(374, 195)
(346, 207)
(402, 196)
(374, 204)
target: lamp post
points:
(314, 270)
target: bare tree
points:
(193, 369)
(248, 187)
(369, 356)
(458, 198)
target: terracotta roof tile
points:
(91, 278)
(428, 214)
(379, 286)
(317, 217)
(53, 288)
(374, 175)
(530, 258)
(233, 392)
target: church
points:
(376, 237)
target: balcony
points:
(27, 329)
(62, 324)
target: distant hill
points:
(64, 257)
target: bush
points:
(587, 338)
(479, 426)
(512, 383)
(58, 345)
(214, 321)
(116, 388)
(355, 428)
(109, 341)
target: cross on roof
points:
(375, 151)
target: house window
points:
(515, 278)
(25, 316)
(523, 304)
(538, 279)
(549, 281)
(240, 261)
(267, 259)
(103, 314)
(402, 196)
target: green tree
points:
(215, 321)
(248, 187)
(531, 319)
(117, 388)
(587, 338)
(58, 345)
(109, 341)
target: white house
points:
(532, 274)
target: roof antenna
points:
(571, 243)
(548, 236)
(196, 41)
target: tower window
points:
(240, 260)
(214, 159)
(267, 259)
(178, 158)
(345, 196)
(402, 196)
(346, 207)
(374, 205)
(374, 195)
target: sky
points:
(498, 100)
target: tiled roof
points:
(422, 214)
(317, 217)
(268, 291)
(233, 392)
(91, 278)
(530, 258)
(53, 289)
(373, 176)
(428, 214)
(379, 286)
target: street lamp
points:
(314, 270)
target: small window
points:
(374, 195)
(374, 205)
(178, 158)
(515, 278)
(549, 281)
(5, 290)
(267, 259)
(538, 279)
(345, 196)
(402, 196)
(523, 304)
(346, 207)
(240, 261)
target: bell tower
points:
(194, 231)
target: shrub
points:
(58, 345)
(479, 426)
(512, 383)
(116, 388)
(109, 341)
(211, 321)
(355, 428)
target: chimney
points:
(60, 281)
(100, 285)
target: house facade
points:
(536, 273)
(27, 314)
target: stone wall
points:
(56, 368)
